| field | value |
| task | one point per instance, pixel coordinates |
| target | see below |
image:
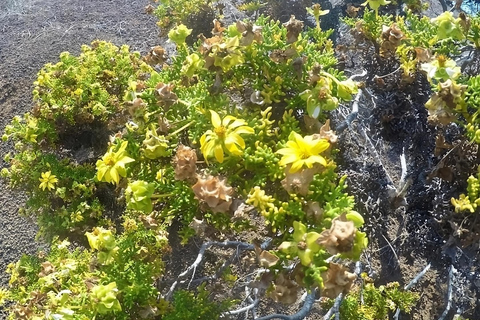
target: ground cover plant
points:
(219, 139)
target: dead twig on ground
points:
(411, 284)
(253, 304)
(451, 275)
(238, 245)
(300, 315)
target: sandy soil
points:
(405, 235)
(33, 33)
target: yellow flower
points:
(303, 151)
(225, 135)
(48, 181)
(112, 165)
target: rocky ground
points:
(410, 222)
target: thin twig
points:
(391, 247)
(300, 315)
(388, 74)
(246, 309)
(238, 245)
(358, 272)
(403, 164)
(353, 76)
(353, 114)
(193, 267)
(411, 284)
(417, 277)
(449, 292)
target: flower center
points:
(302, 245)
(109, 161)
(304, 155)
(441, 60)
(220, 131)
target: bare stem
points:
(300, 315)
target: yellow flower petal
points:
(216, 121)
(207, 149)
(320, 146)
(123, 161)
(114, 175)
(232, 122)
(123, 146)
(218, 153)
(287, 151)
(315, 159)
(203, 139)
(231, 144)
(237, 139)
(287, 159)
(244, 129)
(225, 137)
(297, 165)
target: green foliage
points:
(370, 25)
(187, 138)
(83, 89)
(83, 285)
(472, 98)
(188, 305)
(471, 200)
(472, 26)
(375, 4)
(173, 12)
(376, 303)
(79, 98)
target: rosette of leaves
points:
(304, 244)
(441, 69)
(343, 237)
(104, 298)
(326, 93)
(179, 34)
(104, 242)
(213, 194)
(448, 26)
(447, 102)
(185, 163)
(337, 280)
(375, 4)
(138, 195)
(154, 145)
